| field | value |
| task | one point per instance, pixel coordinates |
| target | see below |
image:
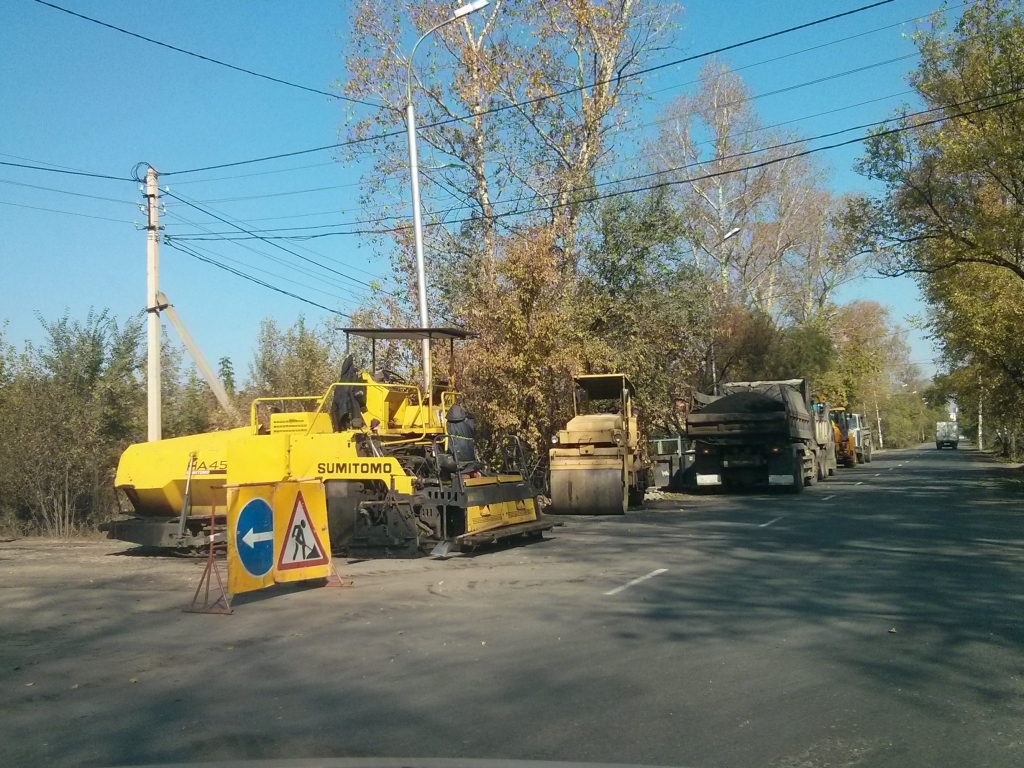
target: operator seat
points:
(460, 431)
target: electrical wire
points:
(228, 237)
(631, 159)
(331, 281)
(210, 59)
(266, 272)
(66, 192)
(66, 171)
(66, 213)
(674, 86)
(256, 280)
(208, 212)
(639, 126)
(538, 99)
(744, 169)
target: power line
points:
(631, 159)
(649, 93)
(732, 156)
(331, 281)
(268, 241)
(538, 99)
(65, 170)
(718, 174)
(813, 48)
(210, 59)
(66, 213)
(250, 278)
(236, 220)
(266, 272)
(640, 126)
(66, 192)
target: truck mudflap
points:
(534, 528)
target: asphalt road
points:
(762, 636)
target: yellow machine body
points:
(595, 463)
(382, 451)
(846, 445)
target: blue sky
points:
(80, 96)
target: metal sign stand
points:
(220, 602)
(334, 578)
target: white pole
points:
(414, 170)
(981, 441)
(878, 418)
(154, 415)
(417, 223)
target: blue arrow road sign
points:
(254, 537)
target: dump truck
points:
(947, 433)
(399, 467)
(595, 463)
(759, 433)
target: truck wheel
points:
(867, 454)
(798, 475)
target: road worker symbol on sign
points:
(299, 537)
(303, 547)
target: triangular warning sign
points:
(302, 547)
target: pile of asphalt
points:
(744, 402)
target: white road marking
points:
(878, 474)
(829, 497)
(860, 483)
(637, 580)
(765, 525)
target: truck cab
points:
(863, 443)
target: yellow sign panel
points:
(301, 539)
(250, 538)
(277, 532)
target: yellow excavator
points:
(846, 444)
(399, 466)
(595, 464)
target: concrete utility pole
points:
(878, 419)
(981, 442)
(414, 170)
(154, 414)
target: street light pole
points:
(414, 171)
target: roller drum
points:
(588, 492)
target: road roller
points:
(399, 466)
(595, 462)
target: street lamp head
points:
(731, 233)
(469, 8)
